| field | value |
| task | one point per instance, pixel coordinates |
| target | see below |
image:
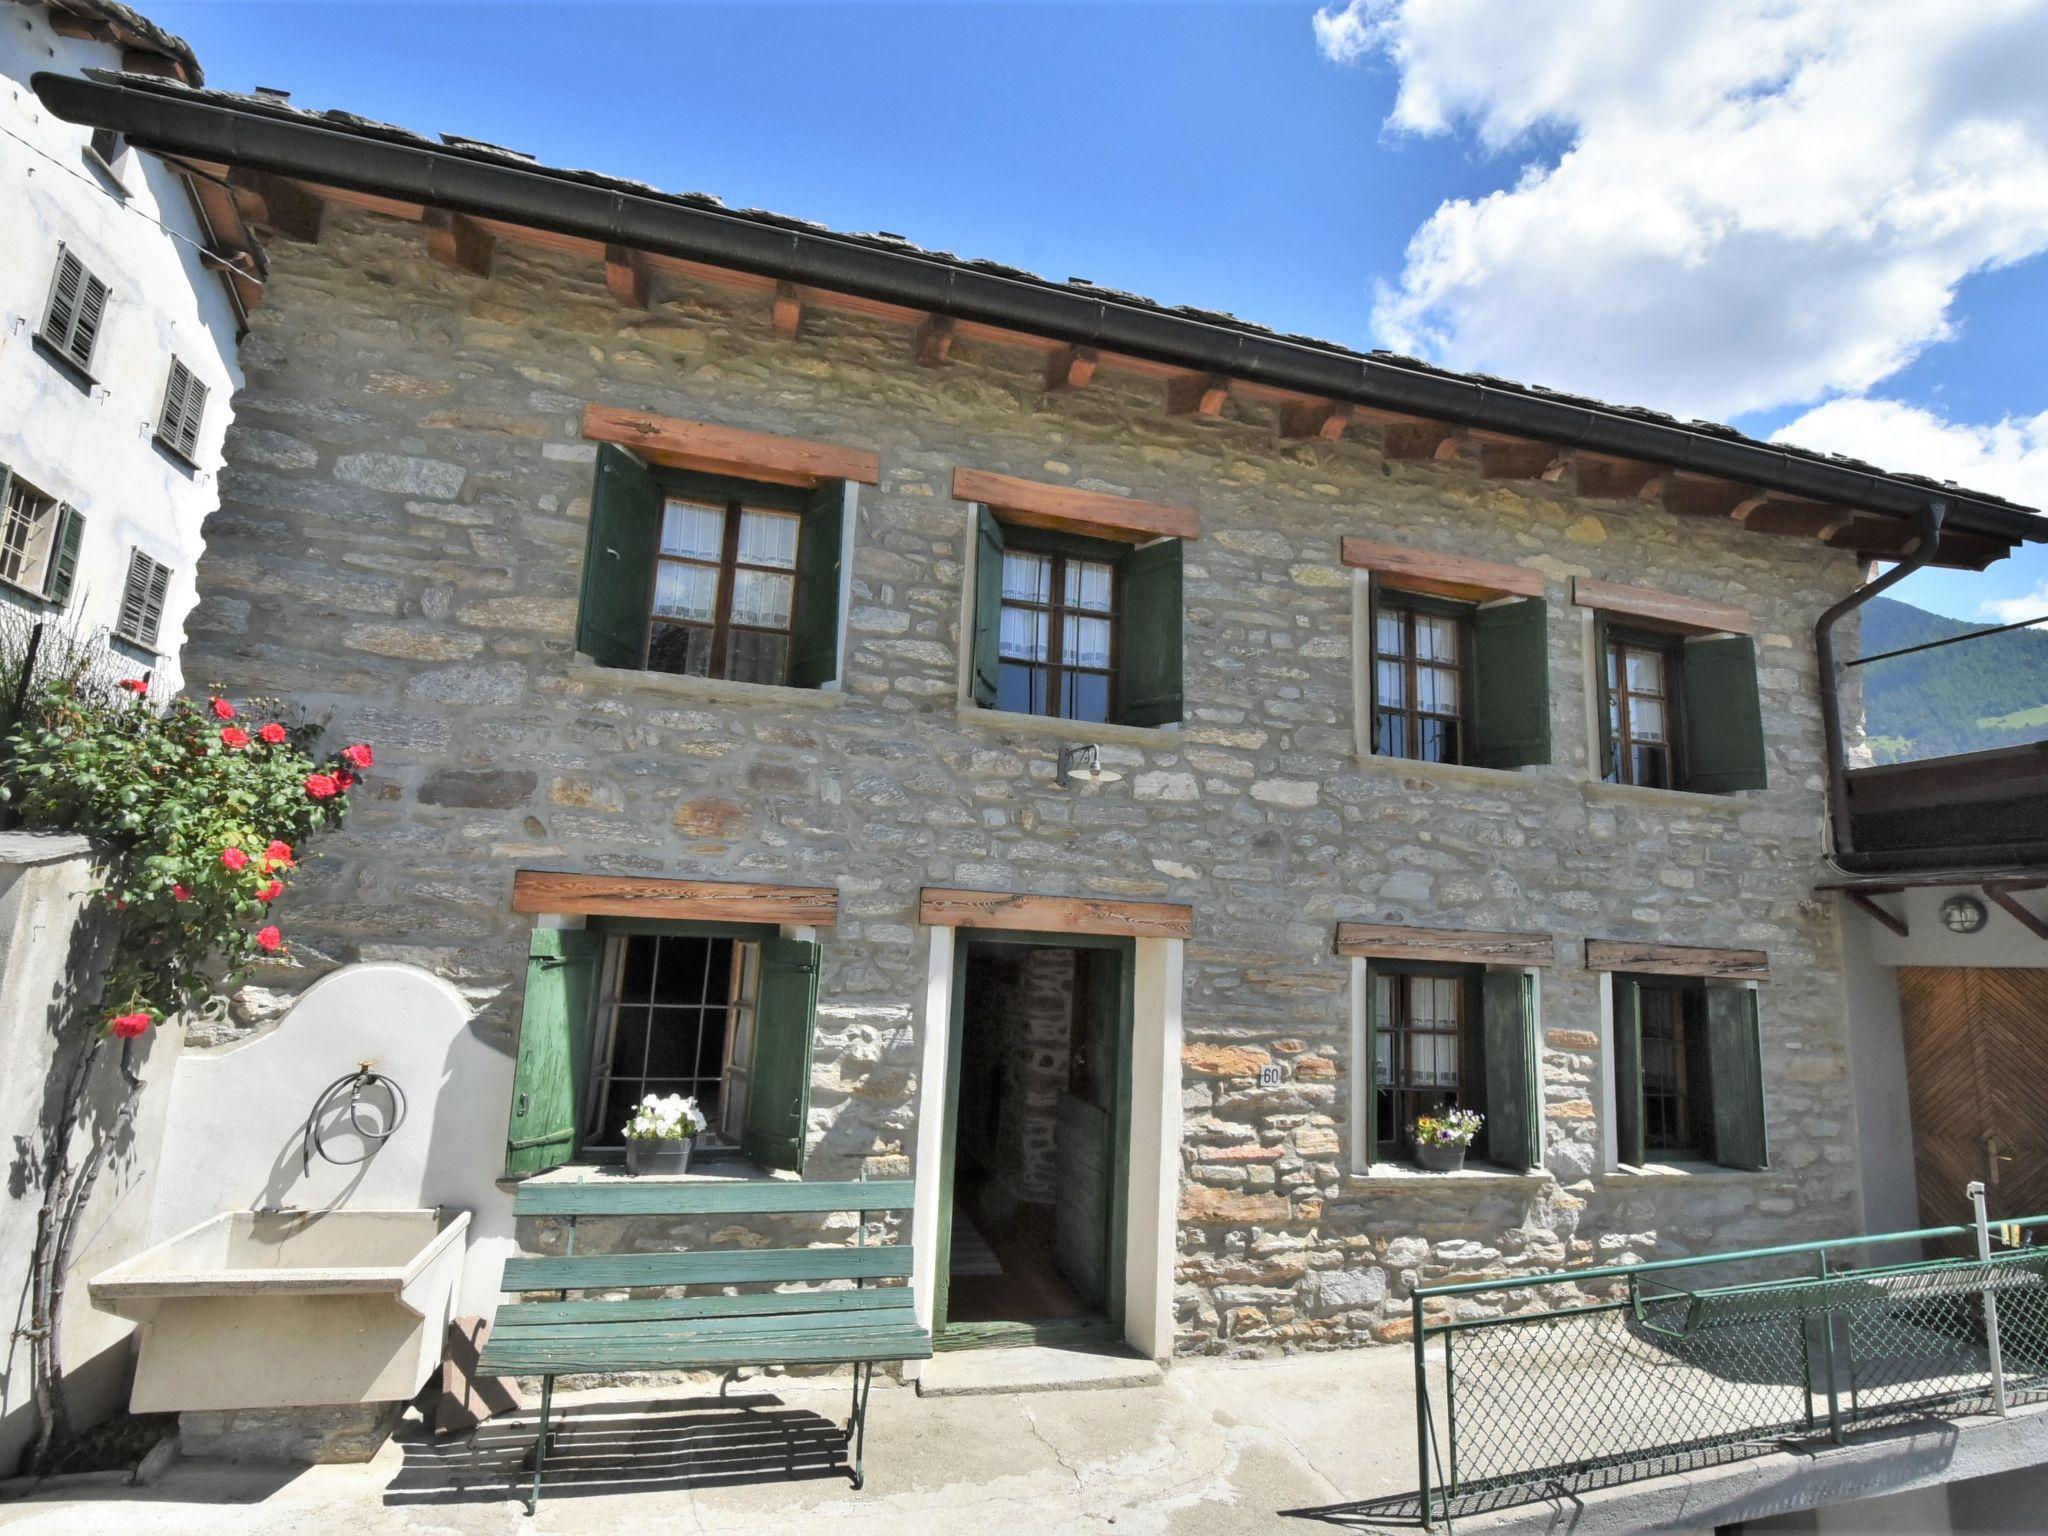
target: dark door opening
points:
(1040, 1112)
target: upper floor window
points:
(713, 577)
(1419, 680)
(1641, 679)
(177, 426)
(142, 600)
(1058, 633)
(78, 305)
(39, 539)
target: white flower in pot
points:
(659, 1136)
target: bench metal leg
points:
(540, 1446)
(730, 1378)
(857, 1425)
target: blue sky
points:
(1244, 157)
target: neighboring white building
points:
(117, 350)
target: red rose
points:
(359, 756)
(269, 939)
(321, 786)
(235, 737)
(126, 1026)
(223, 710)
(279, 853)
(135, 684)
(234, 858)
(272, 734)
(343, 779)
(179, 893)
(271, 891)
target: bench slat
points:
(734, 1267)
(666, 1331)
(653, 1197)
(654, 1309)
(560, 1357)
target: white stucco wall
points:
(94, 446)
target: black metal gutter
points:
(169, 121)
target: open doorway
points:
(1033, 1228)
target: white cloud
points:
(1730, 205)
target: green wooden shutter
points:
(618, 560)
(1150, 634)
(64, 560)
(1724, 722)
(1371, 661)
(1735, 1077)
(1629, 1146)
(1368, 1069)
(785, 1019)
(1609, 766)
(1514, 1125)
(1511, 684)
(551, 1082)
(814, 625)
(986, 643)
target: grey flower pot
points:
(1440, 1157)
(645, 1156)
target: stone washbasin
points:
(289, 1309)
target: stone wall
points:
(400, 546)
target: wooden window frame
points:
(1391, 1131)
(1691, 1097)
(1060, 550)
(1410, 606)
(732, 505)
(1615, 645)
(35, 583)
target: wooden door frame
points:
(947, 1335)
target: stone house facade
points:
(414, 504)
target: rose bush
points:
(200, 825)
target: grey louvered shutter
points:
(184, 405)
(142, 599)
(85, 326)
(63, 567)
(62, 313)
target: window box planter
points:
(648, 1155)
(1439, 1158)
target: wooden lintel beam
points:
(626, 274)
(1662, 610)
(1386, 941)
(716, 450)
(942, 908)
(1423, 440)
(1678, 960)
(1070, 368)
(562, 894)
(284, 206)
(456, 240)
(1325, 420)
(934, 341)
(1068, 509)
(788, 311)
(1198, 396)
(1869, 904)
(2001, 891)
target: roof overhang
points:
(467, 195)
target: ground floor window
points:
(1688, 1072)
(676, 1016)
(1421, 1056)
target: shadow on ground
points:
(608, 1448)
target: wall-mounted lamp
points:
(1082, 765)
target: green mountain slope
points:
(1961, 698)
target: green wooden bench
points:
(595, 1335)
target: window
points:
(722, 1012)
(1462, 1036)
(177, 427)
(1078, 628)
(39, 539)
(1058, 635)
(105, 148)
(1445, 679)
(142, 600)
(78, 304)
(1640, 712)
(1688, 1072)
(1419, 681)
(710, 577)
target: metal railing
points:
(1557, 1383)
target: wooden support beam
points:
(1561, 467)
(718, 450)
(1697, 496)
(1325, 420)
(626, 274)
(456, 240)
(703, 901)
(1423, 440)
(1865, 900)
(2001, 891)
(934, 342)
(281, 205)
(1444, 575)
(1066, 509)
(1615, 479)
(1678, 960)
(1662, 610)
(1519, 461)
(1198, 396)
(1070, 368)
(788, 310)
(1385, 941)
(942, 908)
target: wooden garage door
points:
(1977, 1081)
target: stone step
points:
(1034, 1368)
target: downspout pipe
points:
(1926, 540)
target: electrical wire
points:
(373, 1134)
